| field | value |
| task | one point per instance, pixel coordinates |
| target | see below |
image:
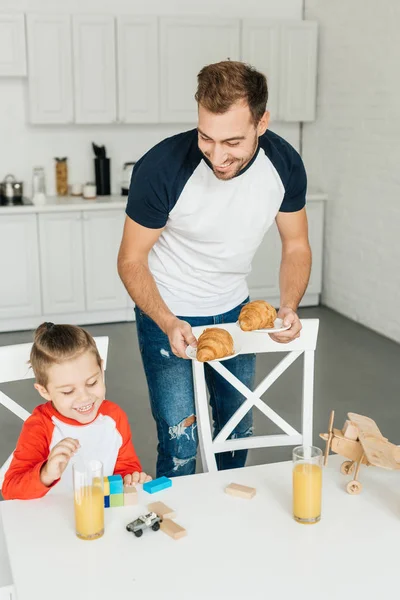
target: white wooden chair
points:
(251, 342)
(14, 367)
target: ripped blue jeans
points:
(170, 384)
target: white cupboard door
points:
(261, 49)
(298, 79)
(94, 68)
(50, 68)
(102, 235)
(137, 39)
(186, 45)
(61, 259)
(315, 215)
(12, 45)
(263, 280)
(19, 266)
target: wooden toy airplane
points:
(360, 441)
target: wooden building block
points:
(130, 489)
(172, 529)
(106, 486)
(156, 485)
(350, 430)
(242, 491)
(116, 500)
(116, 484)
(162, 510)
(130, 499)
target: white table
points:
(234, 549)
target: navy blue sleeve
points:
(159, 177)
(296, 186)
(147, 204)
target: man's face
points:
(229, 140)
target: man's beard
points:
(238, 164)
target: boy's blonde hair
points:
(53, 344)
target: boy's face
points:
(75, 387)
(229, 140)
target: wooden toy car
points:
(144, 522)
(363, 444)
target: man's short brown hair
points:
(222, 84)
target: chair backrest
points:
(14, 366)
(252, 342)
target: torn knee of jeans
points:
(247, 433)
(164, 352)
(177, 431)
(179, 463)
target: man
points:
(199, 205)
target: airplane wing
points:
(379, 452)
(365, 425)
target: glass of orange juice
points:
(89, 499)
(307, 484)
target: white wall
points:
(352, 152)
(23, 146)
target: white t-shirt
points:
(212, 227)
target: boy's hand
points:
(136, 477)
(58, 459)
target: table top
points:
(235, 548)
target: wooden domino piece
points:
(173, 529)
(162, 510)
(130, 495)
(242, 491)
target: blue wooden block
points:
(106, 501)
(116, 484)
(157, 485)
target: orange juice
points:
(307, 488)
(89, 512)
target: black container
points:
(102, 173)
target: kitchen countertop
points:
(73, 203)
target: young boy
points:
(75, 419)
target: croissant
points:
(257, 315)
(214, 343)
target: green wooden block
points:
(116, 500)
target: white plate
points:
(192, 352)
(278, 327)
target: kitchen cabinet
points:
(19, 267)
(138, 71)
(102, 232)
(12, 45)
(62, 263)
(94, 68)
(50, 89)
(298, 82)
(186, 45)
(286, 52)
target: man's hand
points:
(136, 477)
(289, 317)
(180, 336)
(58, 459)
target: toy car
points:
(144, 522)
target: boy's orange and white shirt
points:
(107, 438)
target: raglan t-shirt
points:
(211, 227)
(107, 438)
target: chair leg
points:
(203, 420)
(308, 393)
